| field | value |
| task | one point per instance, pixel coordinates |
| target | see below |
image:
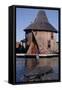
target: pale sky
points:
(25, 16)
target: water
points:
(21, 68)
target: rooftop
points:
(41, 23)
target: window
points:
(49, 44)
(51, 35)
(36, 33)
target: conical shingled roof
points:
(41, 23)
(41, 17)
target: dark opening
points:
(51, 35)
(49, 44)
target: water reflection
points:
(29, 66)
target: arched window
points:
(49, 43)
(52, 35)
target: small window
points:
(49, 44)
(35, 33)
(51, 35)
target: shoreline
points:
(34, 55)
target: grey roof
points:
(41, 23)
(24, 40)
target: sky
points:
(25, 16)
